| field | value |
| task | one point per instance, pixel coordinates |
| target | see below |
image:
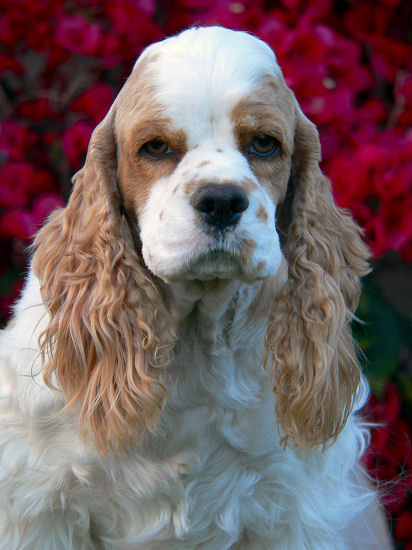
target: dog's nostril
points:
(221, 205)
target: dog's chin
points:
(209, 266)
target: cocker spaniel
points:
(180, 371)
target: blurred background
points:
(350, 66)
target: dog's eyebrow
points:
(147, 128)
(250, 118)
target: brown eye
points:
(264, 146)
(156, 148)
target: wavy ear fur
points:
(109, 331)
(315, 371)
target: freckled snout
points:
(221, 205)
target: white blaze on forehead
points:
(201, 74)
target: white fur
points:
(215, 477)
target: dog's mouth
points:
(216, 263)
(231, 254)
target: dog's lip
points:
(212, 254)
(215, 262)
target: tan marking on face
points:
(269, 110)
(249, 185)
(196, 183)
(138, 173)
(140, 119)
(161, 215)
(190, 186)
(203, 163)
(261, 214)
(261, 265)
(219, 150)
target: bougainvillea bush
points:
(350, 65)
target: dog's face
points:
(205, 136)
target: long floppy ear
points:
(109, 331)
(315, 372)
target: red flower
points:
(16, 180)
(23, 224)
(76, 35)
(16, 139)
(403, 92)
(36, 110)
(406, 251)
(111, 51)
(350, 180)
(9, 64)
(389, 456)
(133, 24)
(44, 204)
(19, 181)
(75, 141)
(95, 102)
(19, 224)
(39, 35)
(11, 29)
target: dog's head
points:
(205, 130)
(205, 167)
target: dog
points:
(180, 371)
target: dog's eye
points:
(264, 146)
(156, 148)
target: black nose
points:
(221, 205)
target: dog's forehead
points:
(215, 52)
(206, 72)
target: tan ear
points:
(315, 371)
(109, 331)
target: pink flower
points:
(390, 228)
(76, 35)
(36, 110)
(38, 37)
(95, 102)
(132, 23)
(75, 141)
(19, 181)
(16, 139)
(403, 527)
(18, 224)
(406, 251)
(111, 51)
(403, 92)
(350, 181)
(44, 204)
(11, 29)
(16, 180)
(9, 64)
